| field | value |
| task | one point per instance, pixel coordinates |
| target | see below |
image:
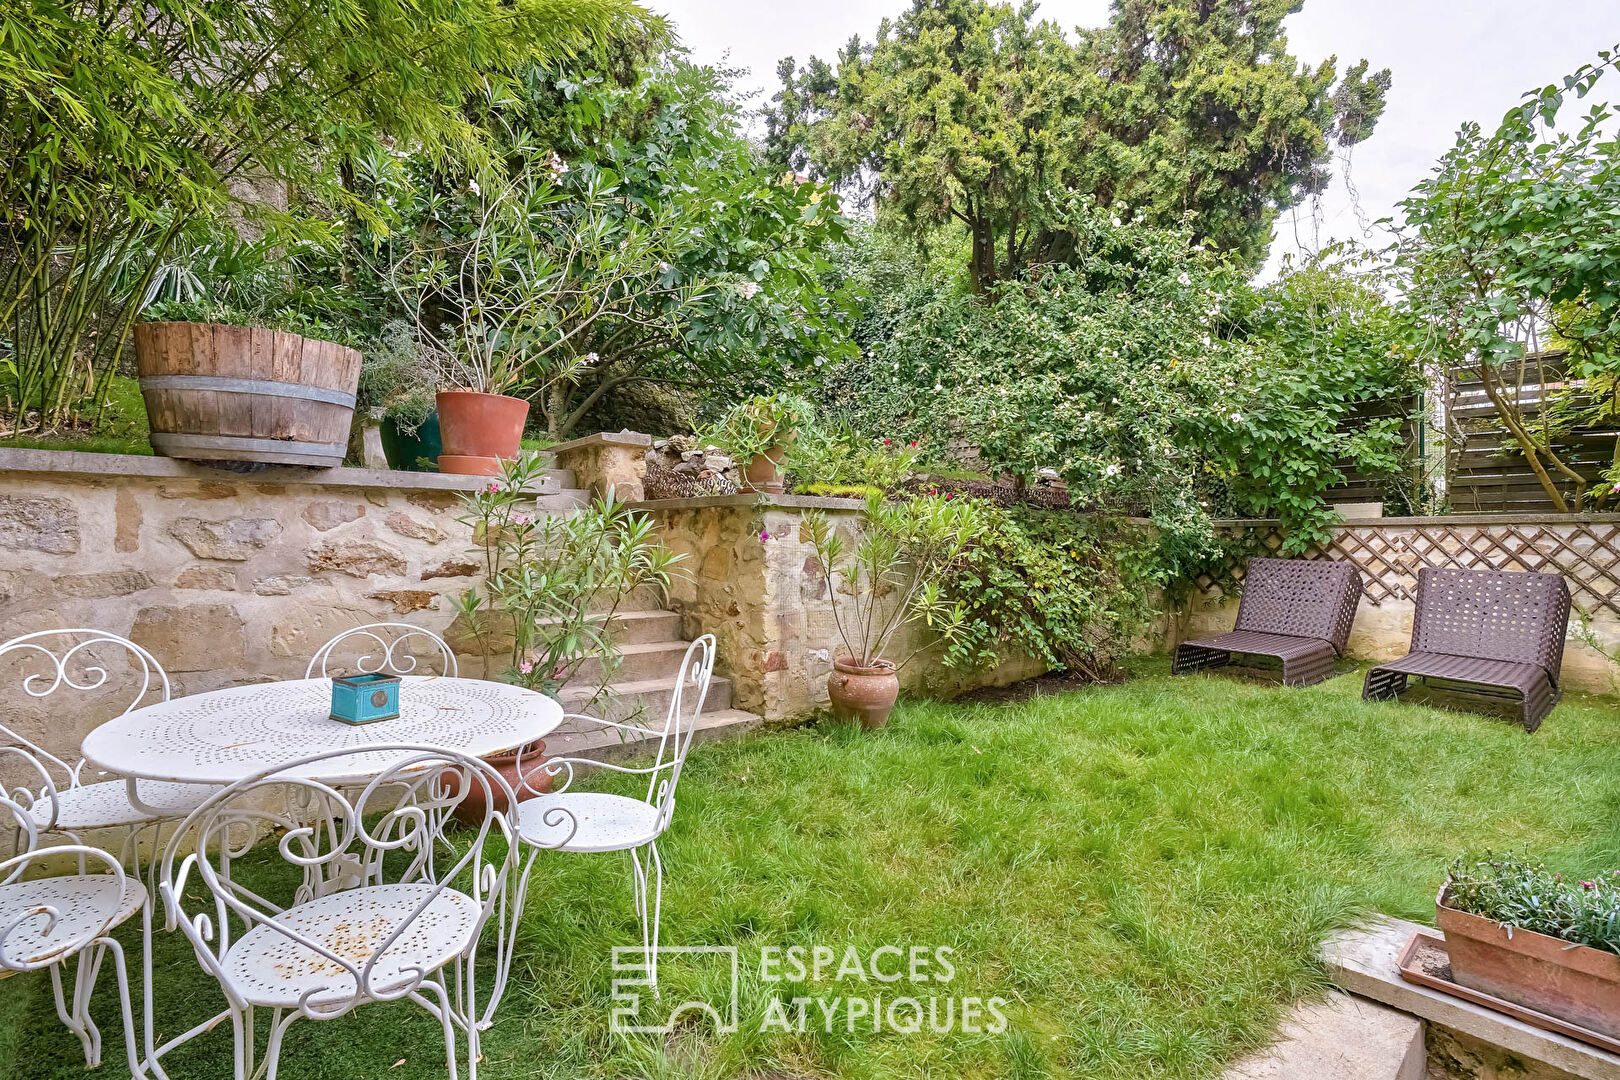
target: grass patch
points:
(1144, 871)
(120, 429)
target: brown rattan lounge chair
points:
(1487, 633)
(1297, 610)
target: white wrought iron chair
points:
(48, 922)
(386, 636)
(586, 821)
(69, 660)
(377, 918)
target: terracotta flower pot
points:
(1576, 983)
(470, 811)
(764, 473)
(863, 693)
(479, 426)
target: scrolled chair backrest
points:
(384, 637)
(319, 829)
(17, 924)
(685, 708)
(66, 660)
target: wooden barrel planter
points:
(240, 393)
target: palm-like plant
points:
(889, 576)
(553, 583)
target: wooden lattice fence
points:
(1585, 548)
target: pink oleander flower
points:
(523, 519)
(526, 667)
(493, 488)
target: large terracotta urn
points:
(864, 692)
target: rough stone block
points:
(408, 526)
(406, 600)
(39, 523)
(356, 556)
(217, 578)
(201, 637)
(325, 514)
(233, 539)
(452, 568)
(102, 585)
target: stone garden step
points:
(640, 660)
(1342, 1038)
(610, 744)
(641, 627)
(647, 699)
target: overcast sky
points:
(1452, 60)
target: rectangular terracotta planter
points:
(1573, 982)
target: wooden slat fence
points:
(1389, 552)
(1487, 472)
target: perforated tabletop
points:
(225, 735)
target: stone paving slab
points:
(1342, 1038)
(1362, 961)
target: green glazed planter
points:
(404, 451)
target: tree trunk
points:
(983, 264)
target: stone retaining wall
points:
(754, 586)
(225, 578)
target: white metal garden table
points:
(223, 736)
(226, 735)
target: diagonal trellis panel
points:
(1585, 549)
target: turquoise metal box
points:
(365, 699)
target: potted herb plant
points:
(756, 435)
(552, 586)
(887, 578)
(1524, 934)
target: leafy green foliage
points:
(833, 455)
(553, 582)
(889, 575)
(760, 425)
(1332, 372)
(1517, 233)
(1067, 590)
(124, 124)
(1524, 895)
(748, 246)
(968, 112)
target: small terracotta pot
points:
(470, 811)
(864, 693)
(473, 425)
(764, 473)
(1576, 983)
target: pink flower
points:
(913, 443)
(523, 519)
(763, 536)
(885, 442)
(493, 488)
(526, 667)
(1588, 885)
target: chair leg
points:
(648, 956)
(121, 972)
(76, 1016)
(272, 1049)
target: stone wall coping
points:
(604, 438)
(103, 466)
(785, 502)
(1546, 517)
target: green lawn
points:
(1143, 871)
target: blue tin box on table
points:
(365, 699)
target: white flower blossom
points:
(1113, 470)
